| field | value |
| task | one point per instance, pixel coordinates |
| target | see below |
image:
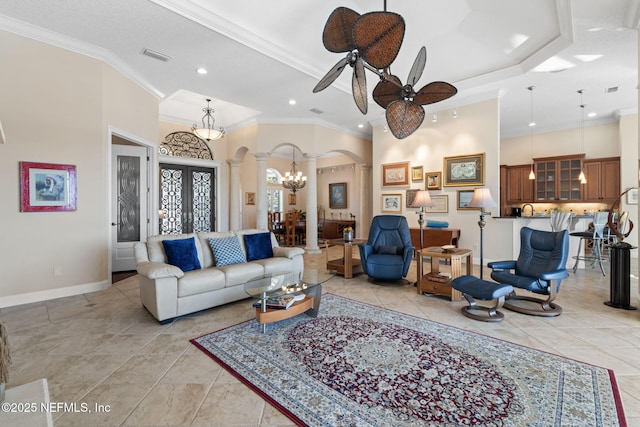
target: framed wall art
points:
(416, 173)
(250, 198)
(338, 195)
(47, 187)
(464, 170)
(410, 197)
(395, 174)
(392, 203)
(440, 204)
(433, 181)
(292, 198)
(632, 196)
(464, 197)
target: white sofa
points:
(168, 292)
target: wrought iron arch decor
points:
(185, 144)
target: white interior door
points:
(129, 203)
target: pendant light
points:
(532, 174)
(582, 177)
(208, 130)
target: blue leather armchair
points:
(388, 252)
(540, 268)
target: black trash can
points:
(620, 280)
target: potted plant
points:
(5, 360)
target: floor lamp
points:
(422, 200)
(482, 199)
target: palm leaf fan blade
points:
(418, 67)
(337, 35)
(387, 91)
(435, 92)
(331, 76)
(378, 37)
(404, 118)
(359, 86)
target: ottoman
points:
(472, 287)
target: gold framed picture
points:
(392, 203)
(440, 204)
(416, 173)
(464, 197)
(464, 170)
(409, 197)
(433, 181)
(250, 198)
(395, 174)
(292, 198)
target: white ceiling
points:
(261, 53)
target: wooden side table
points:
(439, 288)
(347, 266)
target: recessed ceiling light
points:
(532, 124)
(592, 114)
(360, 125)
(292, 102)
(587, 58)
(201, 71)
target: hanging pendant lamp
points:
(532, 174)
(582, 177)
(208, 130)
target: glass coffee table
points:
(267, 286)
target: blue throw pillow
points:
(387, 250)
(227, 251)
(437, 224)
(182, 253)
(258, 246)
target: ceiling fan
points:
(372, 41)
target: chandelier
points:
(294, 180)
(208, 130)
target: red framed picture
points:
(47, 187)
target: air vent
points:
(611, 89)
(315, 110)
(156, 55)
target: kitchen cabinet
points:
(603, 180)
(557, 178)
(519, 186)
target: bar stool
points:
(596, 238)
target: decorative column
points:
(262, 204)
(363, 179)
(312, 204)
(235, 199)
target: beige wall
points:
(476, 130)
(601, 140)
(55, 108)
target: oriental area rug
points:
(361, 365)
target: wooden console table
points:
(332, 228)
(439, 288)
(435, 236)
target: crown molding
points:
(40, 34)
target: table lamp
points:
(422, 200)
(482, 199)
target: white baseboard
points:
(38, 296)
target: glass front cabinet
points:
(557, 178)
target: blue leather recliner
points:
(388, 252)
(540, 268)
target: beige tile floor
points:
(104, 348)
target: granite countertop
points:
(537, 217)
